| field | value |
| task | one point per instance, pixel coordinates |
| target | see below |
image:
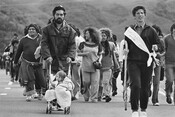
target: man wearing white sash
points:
(141, 39)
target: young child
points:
(61, 90)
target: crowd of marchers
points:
(59, 62)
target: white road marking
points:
(7, 88)
(3, 94)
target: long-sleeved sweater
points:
(27, 48)
(169, 49)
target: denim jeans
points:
(170, 77)
(156, 82)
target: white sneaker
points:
(35, 96)
(156, 104)
(29, 98)
(135, 114)
(143, 114)
(77, 95)
(10, 83)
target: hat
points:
(60, 7)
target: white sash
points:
(138, 41)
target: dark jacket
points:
(150, 38)
(58, 41)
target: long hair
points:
(158, 30)
(105, 44)
(94, 34)
(171, 29)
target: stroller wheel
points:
(50, 110)
(68, 110)
(65, 110)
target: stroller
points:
(51, 96)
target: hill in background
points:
(115, 14)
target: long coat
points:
(58, 43)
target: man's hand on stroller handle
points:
(49, 59)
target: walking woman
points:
(157, 68)
(90, 51)
(109, 62)
(31, 69)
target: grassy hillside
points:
(115, 14)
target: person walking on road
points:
(76, 65)
(170, 64)
(157, 68)
(142, 40)
(58, 45)
(30, 70)
(90, 50)
(109, 63)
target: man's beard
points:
(58, 21)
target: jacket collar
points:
(31, 37)
(143, 27)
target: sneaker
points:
(104, 97)
(135, 114)
(35, 96)
(156, 104)
(114, 93)
(168, 100)
(29, 98)
(77, 95)
(10, 83)
(108, 99)
(143, 114)
(74, 98)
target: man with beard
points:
(58, 42)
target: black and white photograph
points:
(87, 58)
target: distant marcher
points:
(76, 65)
(13, 71)
(116, 71)
(157, 67)
(11, 49)
(90, 50)
(109, 63)
(170, 64)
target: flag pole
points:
(125, 75)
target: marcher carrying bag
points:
(97, 64)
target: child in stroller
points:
(59, 93)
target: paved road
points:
(13, 104)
